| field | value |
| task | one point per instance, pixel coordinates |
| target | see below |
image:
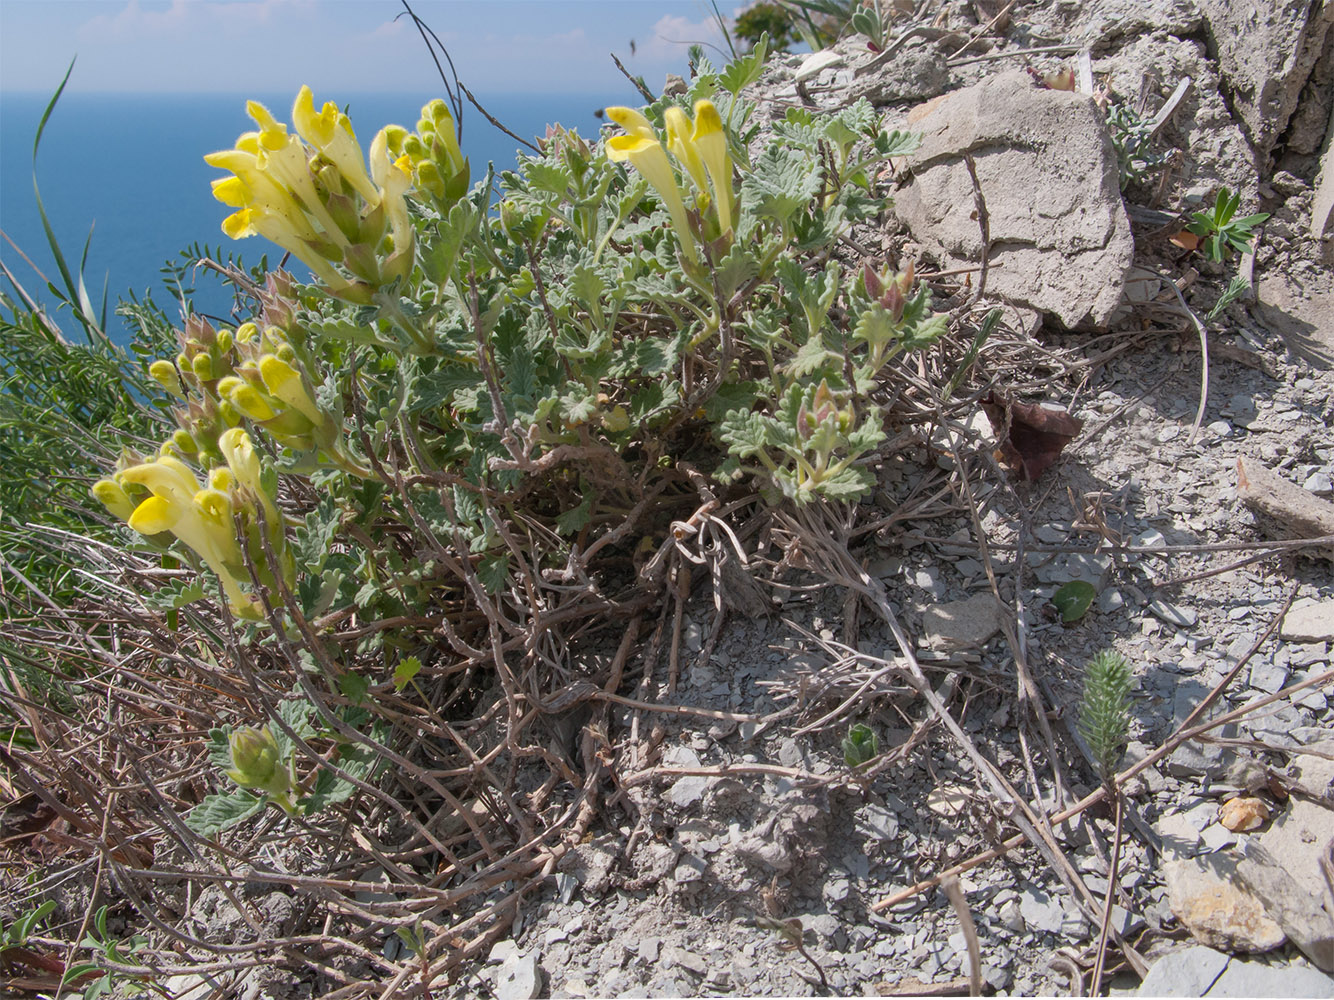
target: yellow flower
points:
(243, 462)
(200, 518)
(114, 498)
(711, 141)
(285, 383)
(681, 144)
(632, 121)
(330, 131)
(650, 159)
(246, 398)
(394, 177)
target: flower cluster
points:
(226, 377)
(700, 147)
(312, 195)
(164, 499)
(439, 171)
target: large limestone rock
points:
(1266, 52)
(1060, 239)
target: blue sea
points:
(130, 167)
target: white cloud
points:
(187, 19)
(673, 34)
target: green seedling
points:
(1104, 710)
(860, 746)
(1218, 229)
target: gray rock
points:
(1185, 972)
(1048, 176)
(1267, 676)
(1172, 614)
(1265, 54)
(1076, 566)
(689, 869)
(1309, 621)
(1257, 979)
(519, 978)
(1040, 911)
(1218, 913)
(914, 74)
(686, 791)
(962, 624)
(1299, 913)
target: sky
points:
(344, 46)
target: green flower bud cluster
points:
(226, 377)
(257, 764)
(439, 170)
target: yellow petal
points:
(632, 121)
(683, 148)
(153, 516)
(711, 140)
(114, 498)
(650, 159)
(286, 383)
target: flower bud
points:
(114, 498)
(164, 372)
(255, 761)
(202, 366)
(246, 332)
(224, 340)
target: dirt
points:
(743, 859)
(697, 898)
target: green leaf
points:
(860, 746)
(741, 73)
(440, 254)
(175, 594)
(219, 750)
(221, 812)
(573, 520)
(1073, 599)
(494, 571)
(435, 389)
(782, 183)
(408, 668)
(354, 687)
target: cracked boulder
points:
(1060, 239)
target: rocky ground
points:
(738, 854)
(753, 841)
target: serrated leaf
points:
(408, 668)
(493, 572)
(219, 750)
(222, 812)
(731, 396)
(812, 357)
(745, 433)
(848, 484)
(733, 271)
(782, 183)
(440, 252)
(437, 388)
(176, 594)
(573, 520)
(354, 687)
(330, 789)
(543, 176)
(741, 73)
(1073, 599)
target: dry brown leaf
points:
(1032, 436)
